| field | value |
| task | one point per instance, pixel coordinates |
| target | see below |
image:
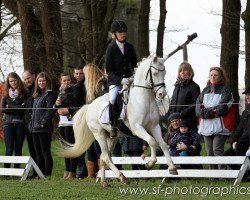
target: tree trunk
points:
(246, 18)
(51, 27)
(230, 30)
(161, 28)
(98, 16)
(143, 30)
(26, 19)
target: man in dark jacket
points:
(81, 170)
(120, 61)
(29, 81)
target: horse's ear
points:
(155, 59)
(165, 58)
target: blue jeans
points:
(14, 134)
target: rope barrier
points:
(182, 105)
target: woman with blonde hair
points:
(13, 115)
(212, 107)
(93, 76)
(184, 95)
(96, 85)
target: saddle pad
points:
(104, 118)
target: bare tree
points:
(246, 17)
(161, 28)
(41, 34)
(98, 16)
(143, 29)
(230, 30)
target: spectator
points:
(184, 141)
(41, 125)
(241, 138)
(81, 170)
(66, 102)
(174, 121)
(212, 107)
(134, 146)
(184, 95)
(95, 84)
(29, 81)
(13, 121)
(120, 61)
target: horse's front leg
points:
(143, 134)
(156, 132)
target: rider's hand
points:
(125, 81)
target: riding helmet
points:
(118, 26)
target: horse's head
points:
(155, 76)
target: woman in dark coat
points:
(13, 116)
(41, 125)
(185, 94)
(66, 102)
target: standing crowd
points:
(29, 107)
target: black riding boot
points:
(112, 119)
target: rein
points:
(153, 85)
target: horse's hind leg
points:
(111, 145)
(106, 160)
(104, 183)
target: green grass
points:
(55, 187)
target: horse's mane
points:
(144, 61)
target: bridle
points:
(153, 85)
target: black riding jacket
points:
(119, 65)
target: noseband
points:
(153, 85)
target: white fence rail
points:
(184, 173)
(22, 172)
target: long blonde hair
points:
(188, 67)
(92, 77)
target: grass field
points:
(55, 187)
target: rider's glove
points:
(125, 81)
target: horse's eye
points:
(155, 73)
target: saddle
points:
(120, 109)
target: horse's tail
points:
(83, 136)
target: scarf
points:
(13, 93)
(182, 82)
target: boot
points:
(91, 169)
(99, 164)
(112, 116)
(71, 175)
(65, 174)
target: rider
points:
(120, 61)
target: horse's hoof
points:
(105, 184)
(124, 180)
(149, 165)
(173, 171)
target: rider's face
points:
(121, 36)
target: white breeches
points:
(113, 92)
